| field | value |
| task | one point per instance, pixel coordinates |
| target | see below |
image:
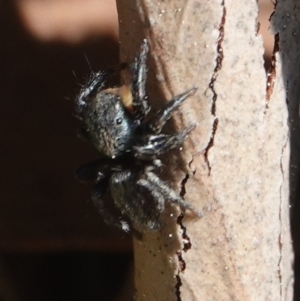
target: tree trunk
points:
(234, 166)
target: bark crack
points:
(211, 86)
(184, 237)
(280, 216)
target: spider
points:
(117, 122)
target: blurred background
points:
(53, 244)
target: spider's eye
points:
(119, 121)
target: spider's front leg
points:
(159, 120)
(156, 145)
(94, 83)
(138, 85)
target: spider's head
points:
(108, 123)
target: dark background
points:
(53, 244)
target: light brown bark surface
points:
(235, 164)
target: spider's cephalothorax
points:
(114, 120)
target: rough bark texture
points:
(234, 166)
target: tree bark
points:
(234, 166)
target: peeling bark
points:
(235, 164)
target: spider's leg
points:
(139, 74)
(88, 171)
(136, 201)
(94, 83)
(107, 216)
(159, 120)
(160, 144)
(100, 169)
(155, 183)
(155, 193)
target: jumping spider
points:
(116, 121)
